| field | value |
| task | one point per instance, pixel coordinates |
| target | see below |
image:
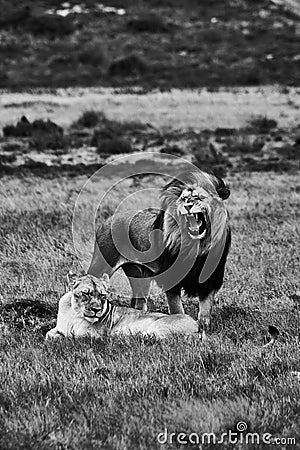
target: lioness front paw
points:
(53, 334)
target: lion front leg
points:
(204, 314)
(174, 302)
(140, 286)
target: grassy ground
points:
(177, 109)
(154, 44)
(120, 393)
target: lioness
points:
(86, 311)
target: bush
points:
(148, 22)
(211, 158)
(3, 78)
(114, 146)
(14, 16)
(54, 141)
(22, 129)
(43, 134)
(49, 24)
(244, 145)
(92, 53)
(7, 159)
(89, 119)
(127, 66)
(261, 124)
(13, 146)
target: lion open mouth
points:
(196, 225)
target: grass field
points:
(121, 393)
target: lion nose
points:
(188, 206)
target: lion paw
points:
(203, 327)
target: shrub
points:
(211, 158)
(89, 119)
(14, 16)
(114, 146)
(49, 24)
(54, 141)
(148, 22)
(3, 78)
(43, 134)
(262, 124)
(127, 66)
(22, 129)
(244, 145)
(7, 159)
(13, 146)
(92, 53)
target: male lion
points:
(86, 311)
(186, 244)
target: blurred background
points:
(150, 43)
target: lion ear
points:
(224, 192)
(174, 187)
(221, 188)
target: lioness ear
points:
(71, 278)
(221, 188)
(106, 278)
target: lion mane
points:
(175, 237)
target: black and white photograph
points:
(149, 224)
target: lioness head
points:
(89, 296)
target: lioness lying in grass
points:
(86, 311)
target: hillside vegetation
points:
(151, 43)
